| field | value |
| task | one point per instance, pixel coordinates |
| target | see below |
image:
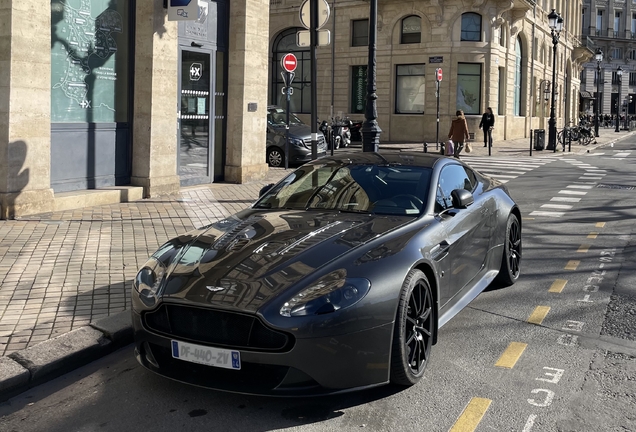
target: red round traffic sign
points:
(438, 73)
(289, 62)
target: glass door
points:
(195, 104)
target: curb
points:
(22, 370)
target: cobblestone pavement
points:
(60, 271)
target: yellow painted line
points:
(572, 265)
(600, 224)
(557, 286)
(584, 248)
(472, 415)
(592, 235)
(511, 355)
(528, 218)
(538, 315)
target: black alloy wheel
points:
(511, 259)
(275, 157)
(413, 331)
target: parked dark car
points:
(337, 278)
(299, 139)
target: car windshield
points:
(278, 117)
(380, 189)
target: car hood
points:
(244, 261)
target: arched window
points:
(411, 30)
(300, 101)
(517, 87)
(471, 27)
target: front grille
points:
(218, 328)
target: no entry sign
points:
(289, 62)
(438, 74)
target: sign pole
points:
(438, 78)
(313, 41)
(288, 97)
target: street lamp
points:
(370, 129)
(597, 108)
(619, 74)
(555, 22)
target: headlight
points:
(297, 142)
(149, 279)
(326, 296)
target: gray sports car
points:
(337, 278)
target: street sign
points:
(438, 74)
(323, 13)
(436, 59)
(289, 62)
(303, 38)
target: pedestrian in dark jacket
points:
(487, 124)
(459, 132)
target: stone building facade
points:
(492, 53)
(611, 25)
(108, 100)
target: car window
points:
(452, 177)
(278, 117)
(472, 178)
(382, 189)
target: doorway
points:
(201, 117)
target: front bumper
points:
(313, 366)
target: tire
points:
(511, 257)
(413, 331)
(275, 157)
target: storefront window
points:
(89, 61)
(410, 89)
(469, 87)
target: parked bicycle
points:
(582, 133)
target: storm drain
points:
(615, 186)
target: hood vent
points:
(317, 236)
(226, 239)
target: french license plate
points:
(217, 357)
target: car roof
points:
(389, 157)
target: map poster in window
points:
(89, 61)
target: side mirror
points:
(462, 198)
(264, 189)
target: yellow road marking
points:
(472, 415)
(557, 286)
(538, 315)
(528, 218)
(592, 235)
(572, 265)
(584, 248)
(511, 355)
(600, 224)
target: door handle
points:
(440, 251)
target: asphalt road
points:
(574, 368)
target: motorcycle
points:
(337, 134)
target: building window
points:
(617, 53)
(632, 78)
(599, 22)
(300, 101)
(471, 27)
(517, 88)
(633, 24)
(469, 87)
(501, 96)
(502, 39)
(632, 54)
(410, 88)
(360, 32)
(617, 23)
(358, 89)
(411, 30)
(90, 62)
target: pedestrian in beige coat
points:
(459, 132)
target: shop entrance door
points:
(196, 152)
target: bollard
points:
(425, 147)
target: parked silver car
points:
(299, 139)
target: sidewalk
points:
(71, 271)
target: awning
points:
(586, 95)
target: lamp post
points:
(619, 74)
(597, 107)
(555, 22)
(370, 129)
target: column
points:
(25, 108)
(154, 161)
(247, 84)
